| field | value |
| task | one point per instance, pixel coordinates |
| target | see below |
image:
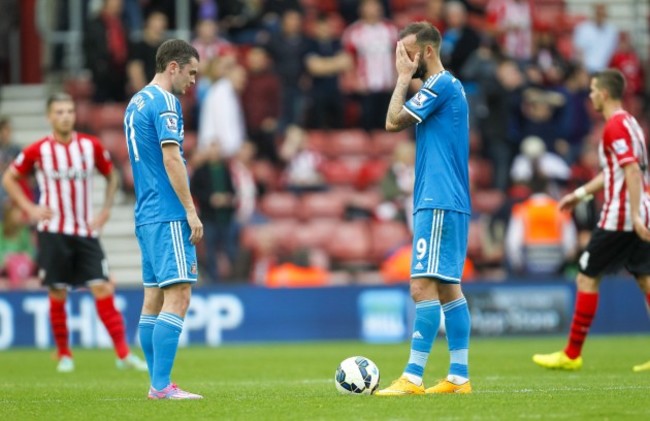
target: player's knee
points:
(421, 290)
(586, 283)
(177, 298)
(58, 294)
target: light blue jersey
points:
(153, 118)
(442, 145)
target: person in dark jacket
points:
(106, 50)
(214, 190)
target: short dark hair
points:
(612, 81)
(58, 97)
(174, 50)
(425, 33)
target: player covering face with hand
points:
(441, 207)
(621, 237)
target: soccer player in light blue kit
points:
(441, 207)
(167, 225)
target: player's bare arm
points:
(177, 174)
(634, 186)
(569, 201)
(112, 181)
(397, 117)
(14, 190)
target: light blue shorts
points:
(439, 244)
(168, 257)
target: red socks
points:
(114, 324)
(586, 305)
(59, 327)
(647, 299)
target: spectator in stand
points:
(246, 186)
(288, 49)
(8, 152)
(262, 116)
(479, 71)
(433, 13)
(215, 69)
(212, 187)
(273, 12)
(548, 59)
(541, 239)
(459, 40)
(540, 115)
(302, 172)
(397, 186)
(512, 22)
(628, 62)
(371, 40)
(16, 248)
(535, 157)
(222, 118)
(576, 120)
(501, 90)
(595, 40)
(242, 20)
(326, 60)
(141, 67)
(209, 44)
(106, 49)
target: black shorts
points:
(68, 260)
(609, 251)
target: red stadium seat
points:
(317, 140)
(189, 142)
(108, 116)
(387, 236)
(278, 205)
(480, 172)
(342, 171)
(81, 88)
(384, 143)
(350, 243)
(115, 142)
(322, 205)
(315, 233)
(487, 201)
(127, 176)
(371, 173)
(84, 110)
(348, 142)
(367, 199)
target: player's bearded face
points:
(422, 69)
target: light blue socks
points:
(165, 336)
(425, 330)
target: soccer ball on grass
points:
(357, 376)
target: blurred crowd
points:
(296, 180)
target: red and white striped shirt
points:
(373, 46)
(64, 173)
(623, 143)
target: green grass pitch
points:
(295, 382)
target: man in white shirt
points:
(222, 118)
(595, 40)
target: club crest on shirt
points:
(418, 99)
(172, 124)
(620, 146)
